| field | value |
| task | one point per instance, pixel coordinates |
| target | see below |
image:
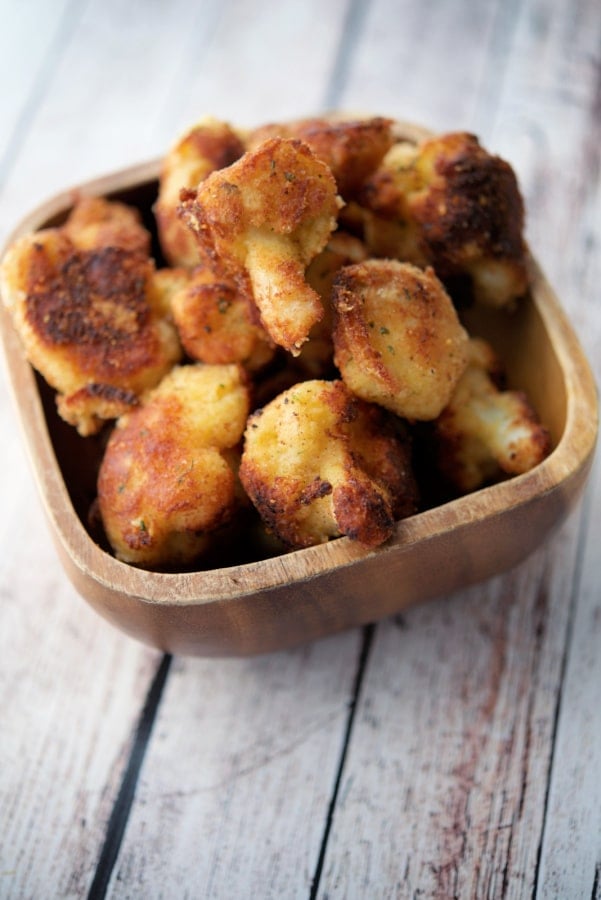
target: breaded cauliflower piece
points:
(484, 431)
(316, 359)
(398, 341)
(264, 219)
(217, 324)
(207, 146)
(352, 149)
(319, 463)
(451, 204)
(165, 284)
(95, 222)
(167, 478)
(87, 322)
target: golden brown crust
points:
(95, 222)
(485, 432)
(397, 338)
(352, 149)
(208, 146)
(166, 482)
(262, 220)
(86, 322)
(453, 205)
(215, 322)
(316, 359)
(250, 222)
(473, 205)
(318, 463)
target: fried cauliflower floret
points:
(264, 219)
(165, 284)
(484, 431)
(87, 324)
(319, 463)
(166, 481)
(316, 357)
(451, 204)
(217, 324)
(352, 149)
(397, 338)
(208, 146)
(95, 222)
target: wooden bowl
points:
(253, 607)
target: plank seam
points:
(351, 29)
(596, 882)
(123, 803)
(368, 635)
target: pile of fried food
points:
(302, 327)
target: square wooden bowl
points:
(269, 604)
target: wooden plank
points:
(71, 686)
(70, 691)
(258, 745)
(104, 99)
(443, 791)
(465, 689)
(110, 48)
(233, 797)
(264, 62)
(570, 861)
(467, 695)
(428, 62)
(31, 37)
(547, 125)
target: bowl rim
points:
(569, 458)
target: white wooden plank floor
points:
(450, 752)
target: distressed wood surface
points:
(451, 752)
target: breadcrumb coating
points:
(88, 323)
(316, 358)
(310, 270)
(167, 479)
(352, 149)
(95, 222)
(217, 324)
(451, 204)
(207, 146)
(397, 337)
(486, 432)
(319, 463)
(263, 219)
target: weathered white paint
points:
(458, 776)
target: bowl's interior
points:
(520, 337)
(240, 600)
(525, 346)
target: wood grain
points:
(443, 791)
(236, 784)
(70, 689)
(489, 830)
(470, 763)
